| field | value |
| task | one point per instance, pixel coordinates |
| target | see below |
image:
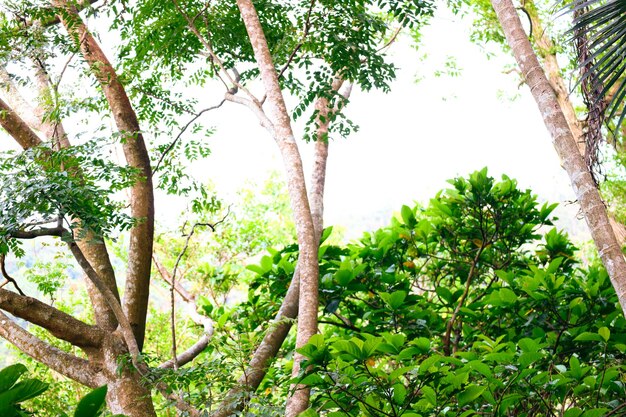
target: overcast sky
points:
(426, 130)
(413, 139)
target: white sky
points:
(413, 139)
(410, 141)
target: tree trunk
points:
(546, 50)
(586, 191)
(283, 134)
(126, 393)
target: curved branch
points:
(189, 354)
(68, 365)
(60, 324)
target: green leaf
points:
(396, 299)
(25, 390)
(573, 412)
(444, 293)
(10, 374)
(312, 380)
(91, 405)
(399, 393)
(588, 337)
(408, 217)
(469, 394)
(429, 395)
(595, 412)
(605, 333)
(309, 413)
(325, 234)
(349, 347)
(371, 345)
(344, 276)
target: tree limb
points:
(59, 324)
(69, 365)
(189, 354)
(142, 195)
(280, 326)
(17, 128)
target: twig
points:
(7, 277)
(307, 27)
(173, 284)
(214, 58)
(193, 119)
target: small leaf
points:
(408, 217)
(605, 333)
(308, 413)
(10, 374)
(588, 337)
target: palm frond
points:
(602, 26)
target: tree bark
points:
(142, 197)
(280, 326)
(547, 52)
(586, 191)
(64, 363)
(283, 134)
(61, 325)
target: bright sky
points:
(413, 139)
(410, 141)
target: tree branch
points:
(59, 324)
(17, 128)
(280, 326)
(188, 355)
(7, 277)
(69, 365)
(142, 194)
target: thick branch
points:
(108, 295)
(279, 328)
(17, 128)
(60, 324)
(69, 365)
(142, 196)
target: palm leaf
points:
(603, 24)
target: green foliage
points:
(40, 187)
(13, 392)
(456, 309)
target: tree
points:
(582, 181)
(55, 189)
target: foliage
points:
(40, 187)
(12, 393)
(458, 309)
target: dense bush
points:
(461, 308)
